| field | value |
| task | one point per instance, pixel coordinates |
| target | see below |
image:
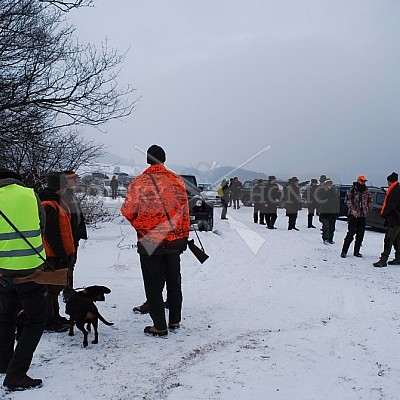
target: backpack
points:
(220, 191)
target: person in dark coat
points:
(292, 199)
(359, 204)
(78, 224)
(273, 195)
(225, 197)
(58, 242)
(329, 204)
(235, 187)
(114, 187)
(259, 202)
(391, 213)
(311, 202)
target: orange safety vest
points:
(65, 230)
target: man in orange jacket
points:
(156, 205)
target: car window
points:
(246, 185)
(380, 197)
(107, 183)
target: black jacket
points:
(329, 201)
(391, 212)
(292, 198)
(272, 197)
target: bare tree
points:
(33, 156)
(48, 77)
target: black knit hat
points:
(6, 173)
(155, 155)
(314, 180)
(322, 178)
(56, 180)
(271, 178)
(393, 177)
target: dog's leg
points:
(95, 324)
(71, 326)
(81, 326)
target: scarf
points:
(391, 187)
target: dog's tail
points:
(102, 319)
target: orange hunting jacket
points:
(143, 207)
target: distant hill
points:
(110, 161)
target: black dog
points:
(82, 310)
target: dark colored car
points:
(201, 211)
(374, 219)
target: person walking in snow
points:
(272, 197)
(22, 208)
(259, 202)
(235, 187)
(311, 202)
(114, 187)
(224, 194)
(329, 204)
(292, 199)
(359, 203)
(156, 205)
(391, 213)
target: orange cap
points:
(362, 178)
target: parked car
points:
(102, 187)
(210, 193)
(201, 211)
(374, 219)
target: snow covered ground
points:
(271, 315)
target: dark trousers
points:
(235, 200)
(259, 208)
(153, 268)
(113, 193)
(292, 220)
(328, 226)
(31, 298)
(392, 238)
(356, 226)
(311, 210)
(224, 207)
(270, 219)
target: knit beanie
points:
(6, 173)
(155, 155)
(56, 180)
(393, 177)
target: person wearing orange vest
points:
(58, 242)
(21, 207)
(391, 213)
(156, 205)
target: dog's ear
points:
(90, 291)
(104, 289)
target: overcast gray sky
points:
(220, 80)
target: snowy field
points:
(270, 315)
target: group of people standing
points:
(36, 232)
(229, 193)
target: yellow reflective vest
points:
(20, 205)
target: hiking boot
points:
(380, 264)
(343, 254)
(326, 242)
(357, 254)
(143, 309)
(174, 326)
(55, 326)
(151, 330)
(394, 262)
(21, 383)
